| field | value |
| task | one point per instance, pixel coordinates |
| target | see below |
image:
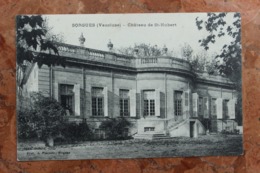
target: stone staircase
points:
(174, 128)
(171, 125)
(177, 124)
(155, 136)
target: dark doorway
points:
(192, 123)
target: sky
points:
(182, 30)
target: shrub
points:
(44, 119)
(115, 128)
(228, 132)
(73, 132)
(26, 125)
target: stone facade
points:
(162, 96)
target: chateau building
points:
(162, 96)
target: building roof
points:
(107, 59)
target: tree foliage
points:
(74, 132)
(230, 55)
(229, 59)
(34, 44)
(186, 52)
(44, 118)
(142, 50)
(202, 62)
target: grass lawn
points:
(179, 146)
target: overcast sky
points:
(183, 29)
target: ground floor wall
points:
(188, 128)
(153, 97)
(175, 96)
(223, 126)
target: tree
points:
(198, 61)
(44, 119)
(229, 59)
(143, 50)
(211, 67)
(186, 52)
(230, 54)
(201, 62)
(34, 44)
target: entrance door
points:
(192, 124)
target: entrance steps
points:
(167, 129)
(152, 136)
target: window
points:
(124, 103)
(213, 106)
(67, 97)
(225, 109)
(147, 129)
(149, 103)
(152, 107)
(178, 103)
(200, 106)
(97, 101)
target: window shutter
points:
(133, 103)
(116, 103)
(105, 106)
(77, 99)
(157, 103)
(141, 103)
(209, 106)
(219, 104)
(138, 105)
(231, 109)
(206, 107)
(185, 104)
(56, 91)
(195, 104)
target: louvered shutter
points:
(77, 99)
(185, 104)
(157, 103)
(117, 102)
(105, 102)
(133, 103)
(142, 103)
(231, 109)
(206, 107)
(219, 104)
(56, 91)
(195, 104)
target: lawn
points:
(174, 147)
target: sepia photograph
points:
(108, 86)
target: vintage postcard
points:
(106, 86)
